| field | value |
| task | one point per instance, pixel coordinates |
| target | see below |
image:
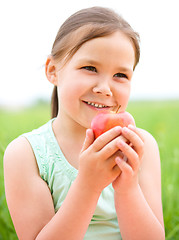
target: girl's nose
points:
(103, 88)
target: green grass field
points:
(160, 118)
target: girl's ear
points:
(50, 71)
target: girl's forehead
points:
(114, 42)
(113, 46)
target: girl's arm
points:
(29, 199)
(30, 202)
(138, 192)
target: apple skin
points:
(102, 122)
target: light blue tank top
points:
(57, 172)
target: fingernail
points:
(125, 129)
(121, 143)
(118, 160)
(131, 127)
(125, 158)
(118, 129)
(88, 130)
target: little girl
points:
(61, 182)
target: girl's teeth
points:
(96, 105)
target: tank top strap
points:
(48, 153)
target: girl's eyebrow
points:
(126, 69)
(89, 61)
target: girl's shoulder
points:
(21, 145)
(151, 150)
(19, 156)
(22, 153)
(150, 144)
(147, 137)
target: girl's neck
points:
(69, 135)
(69, 131)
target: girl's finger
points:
(89, 139)
(135, 140)
(111, 160)
(130, 153)
(137, 131)
(123, 165)
(112, 147)
(116, 169)
(106, 137)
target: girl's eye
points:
(120, 75)
(90, 68)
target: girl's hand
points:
(97, 165)
(130, 168)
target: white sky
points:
(28, 29)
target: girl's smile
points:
(98, 106)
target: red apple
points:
(102, 122)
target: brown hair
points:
(83, 26)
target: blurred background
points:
(28, 29)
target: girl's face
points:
(97, 78)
